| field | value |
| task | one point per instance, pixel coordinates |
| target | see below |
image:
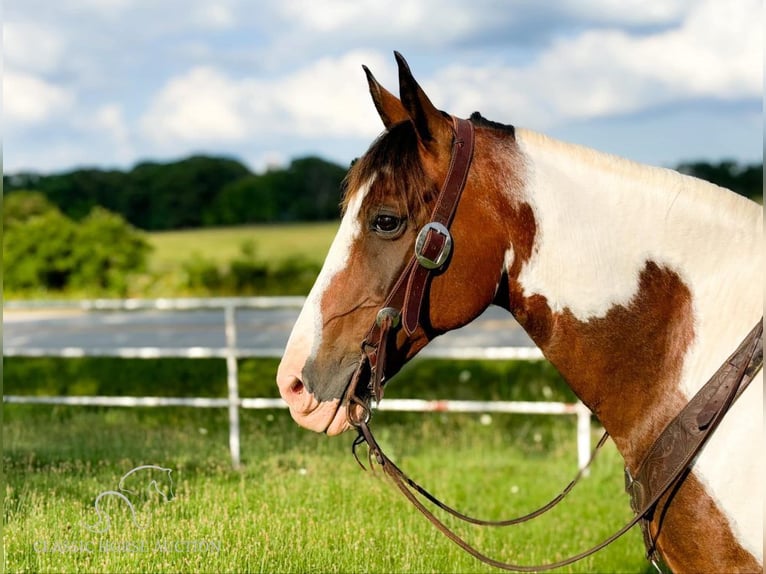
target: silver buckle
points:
(420, 243)
(391, 313)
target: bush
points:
(106, 252)
(201, 274)
(43, 250)
(37, 253)
(295, 275)
(247, 274)
(23, 205)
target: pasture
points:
(300, 503)
(221, 244)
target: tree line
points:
(198, 191)
(202, 191)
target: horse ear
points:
(432, 126)
(390, 109)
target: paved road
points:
(256, 329)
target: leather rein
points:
(669, 459)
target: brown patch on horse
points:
(706, 545)
(626, 366)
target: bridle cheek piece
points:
(667, 461)
(433, 246)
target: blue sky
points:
(108, 83)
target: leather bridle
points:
(668, 461)
(433, 247)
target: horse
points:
(635, 282)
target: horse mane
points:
(481, 122)
(718, 202)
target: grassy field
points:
(272, 242)
(299, 504)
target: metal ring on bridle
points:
(420, 244)
(366, 412)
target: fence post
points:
(232, 382)
(583, 436)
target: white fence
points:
(232, 353)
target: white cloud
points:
(326, 98)
(330, 98)
(98, 5)
(216, 16)
(445, 21)
(31, 47)
(202, 105)
(715, 53)
(109, 120)
(634, 12)
(337, 15)
(31, 100)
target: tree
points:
(151, 195)
(308, 190)
(249, 199)
(317, 188)
(175, 195)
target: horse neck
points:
(641, 281)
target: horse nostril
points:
(296, 387)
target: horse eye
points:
(387, 224)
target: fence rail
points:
(231, 353)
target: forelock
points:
(393, 164)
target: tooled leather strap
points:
(674, 450)
(432, 248)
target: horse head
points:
(389, 194)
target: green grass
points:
(272, 242)
(300, 503)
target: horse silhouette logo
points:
(147, 481)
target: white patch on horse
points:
(599, 220)
(306, 336)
